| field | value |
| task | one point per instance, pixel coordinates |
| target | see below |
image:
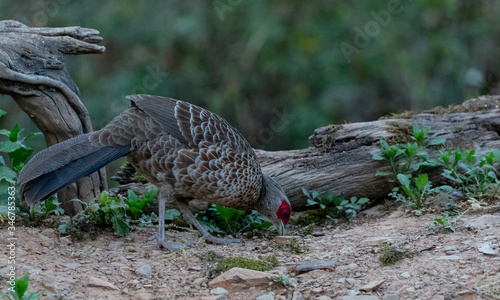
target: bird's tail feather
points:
(58, 166)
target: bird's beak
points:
(280, 227)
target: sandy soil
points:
(449, 265)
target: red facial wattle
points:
(284, 212)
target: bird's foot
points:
(220, 241)
(173, 247)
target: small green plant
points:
(295, 246)
(281, 279)
(334, 207)
(217, 264)
(476, 176)
(445, 222)
(41, 210)
(389, 255)
(18, 292)
(16, 151)
(221, 219)
(138, 206)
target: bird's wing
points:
(190, 124)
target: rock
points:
(297, 296)
(372, 286)
(451, 250)
(97, 282)
(450, 257)
(195, 268)
(219, 291)
(379, 240)
(239, 279)
(71, 266)
(372, 212)
(405, 275)
(485, 220)
(352, 266)
(284, 239)
(199, 281)
(362, 297)
(114, 245)
(391, 296)
(328, 265)
(353, 282)
(323, 298)
(145, 270)
(410, 289)
(487, 248)
(265, 297)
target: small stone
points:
(98, 282)
(265, 297)
(361, 297)
(372, 212)
(328, 265)
(352, 266)
(410, 289)
(484, 220)
(379, 240)
(341, 280)
(297, 296)
(145, 270)
(465, 277)
(219, 291)
(487, 248)
(284, 239)
(199, 281)
(353, 282)
(194, 268)
(405, 275)
(391, 296)
(323, 298)
(114, 245)
(239, 279)
(449, 257)
(372, 286)
(317, 290)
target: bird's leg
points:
(164, 194)
(184, 208)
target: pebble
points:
(353, 282)
(449, 257)
(379, 240)
(405, 275)
(361, 297)
(269, 296)
(323, 298)
(98, 282)
(219, 291)
(487, 248)
(391, 296)
(145, 270)
(372, 286)
(307, 266)
(297, 296)
(352, 266)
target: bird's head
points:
(274, 204)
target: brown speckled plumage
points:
(187, 151)
(195, 151)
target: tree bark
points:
(340, 156)
(33, 72)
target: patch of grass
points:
(295, 245)
(41, 211)
(282, 280)
(216, 264)
(445, 222)
(390, 255)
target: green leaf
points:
(382, 174)
(421, 181)
(132, 196)
(22, 286)
(363, 200)
(377, 157)
(7, 174)
(304, 190)
(440, 221)
(437, 141)
(2, 113)
(404, 180)
(150, 195)
(315, 194)
(120, 226)
(311, 202)
(9, 146)
(171, 214)
(14, 133)
(383, 144)
(4, 132)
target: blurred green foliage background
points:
(277, 70)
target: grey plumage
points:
(187, 151)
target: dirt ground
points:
(448, 266)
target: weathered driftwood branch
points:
(340, 158)
(32, 71)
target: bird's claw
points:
(220, 241)
(173, 247)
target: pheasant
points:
(186, 151)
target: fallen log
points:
(340, 156)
